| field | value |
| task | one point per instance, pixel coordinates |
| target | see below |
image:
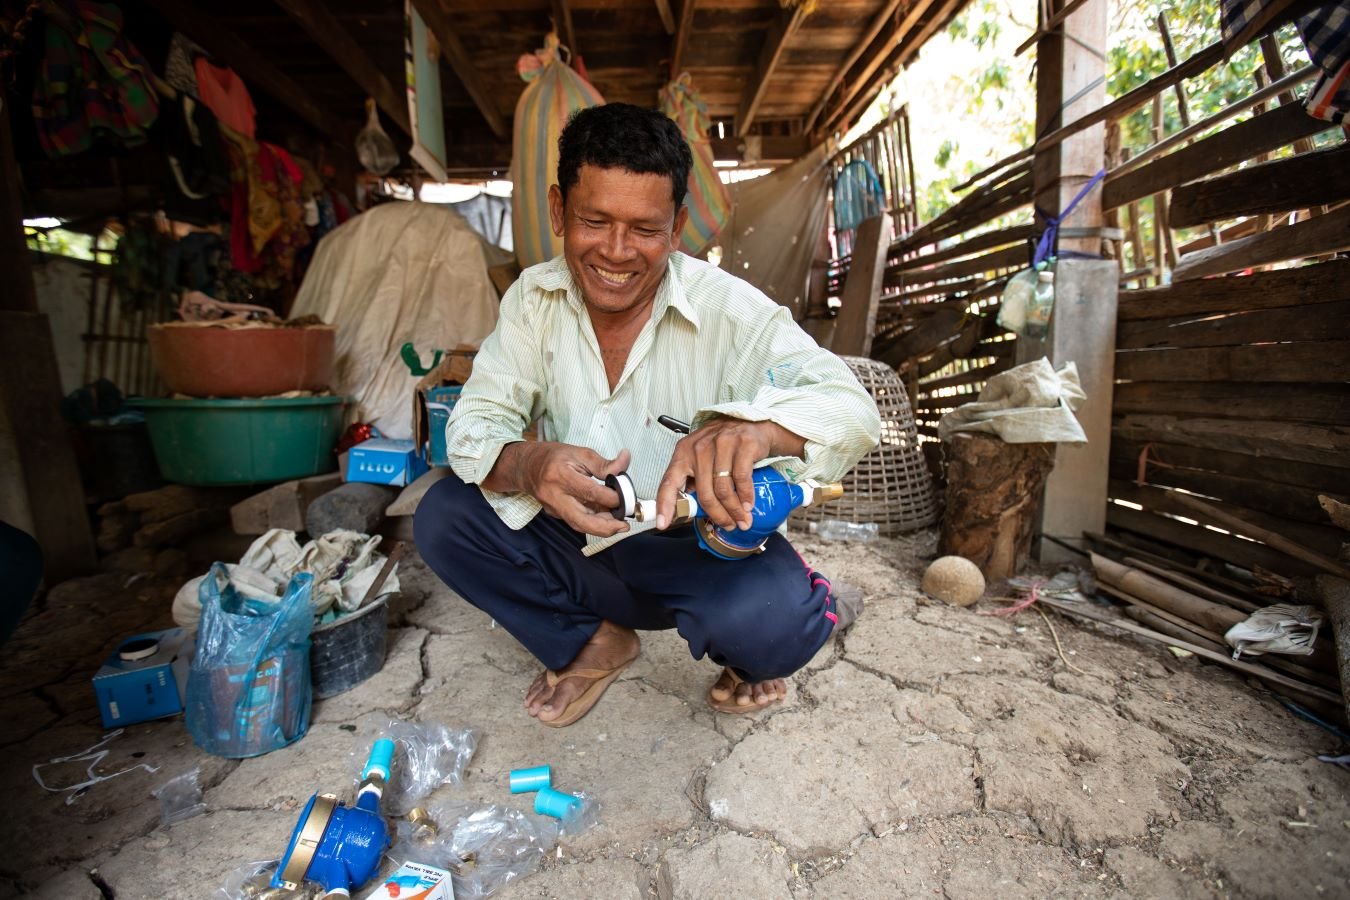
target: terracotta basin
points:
(242, 362)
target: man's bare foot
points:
(730, 694)
(611, 647)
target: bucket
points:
(347, 651)
(205, 361)
(219, 442)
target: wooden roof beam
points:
(562, 21)
(683, 29)
(320, 24)
(667, 15)
(775, 42)
(252, 66)
(873, 30)
(893, 38)
(452, 48)
(905, 44)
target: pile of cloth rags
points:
(344, 565)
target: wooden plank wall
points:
(1233, 338)
(1235, 388)
(1233, 346)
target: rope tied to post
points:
(1046, 245)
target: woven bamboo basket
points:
(891, 486)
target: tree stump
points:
(993, 493)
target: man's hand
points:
(562, 477)
(720, 459)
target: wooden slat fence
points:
(1233, 339)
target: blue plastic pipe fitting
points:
(381, 759)
(526, 780)
(553, 802)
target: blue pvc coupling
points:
(552, 802)
(525, 780)
(381, 759)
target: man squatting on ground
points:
(595, 345)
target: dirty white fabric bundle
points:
(344, 565)
(1030, 403)
(1276, 629)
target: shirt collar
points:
(555, 276)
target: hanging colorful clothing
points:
(708, 200)
(254, 214)
(1326, 34)
(226, 95)
(93, 85)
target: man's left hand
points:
(720, 459)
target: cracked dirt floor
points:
(928, 752)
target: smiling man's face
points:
(618, 229)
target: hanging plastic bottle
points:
(375, 149)
(1018, 295)
(1042, 304)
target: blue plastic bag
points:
(249, 687)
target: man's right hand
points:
(562, 477)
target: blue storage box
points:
(145, 678)
(385, 461)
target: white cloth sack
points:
(1030, 403)
(344, 565)
(1276, 629)
(397, 273)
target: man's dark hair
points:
(623, 136)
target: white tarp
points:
(1030, 403)
(399, 272)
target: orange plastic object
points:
(242, 362)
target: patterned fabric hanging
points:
(93, 86)
(552, 94)
(708, 199)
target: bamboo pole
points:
(1212, 616)
(1193, 584)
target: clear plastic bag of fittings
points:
(428, 755)
(252, 881)
(484, 847)
(180, 798)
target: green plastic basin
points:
(211, 442)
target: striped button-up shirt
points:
(714, 346)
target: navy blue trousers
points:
(764, 616)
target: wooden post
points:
(40, 489)
(1070, 83)
(19, 294)
(856, 324)
(1335, 596)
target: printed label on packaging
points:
(415, 881)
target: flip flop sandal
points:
(581, 704)
(730, 705)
